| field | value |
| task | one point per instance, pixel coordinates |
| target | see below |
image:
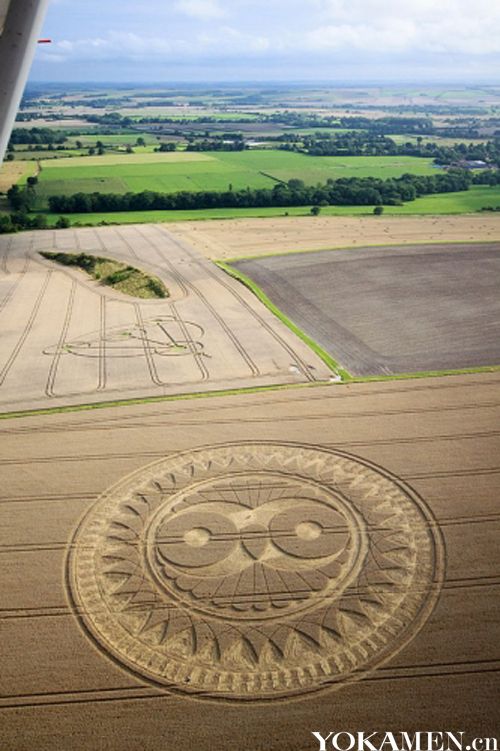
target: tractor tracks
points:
(185, 284)
(295, 357)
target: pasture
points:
(285, 165)
(165, 173)
(197, 171)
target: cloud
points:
(117, 45)
(394, 36)
(313, 37)
(204, 9)
(391, 27)
(224, 42)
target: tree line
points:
(342, 192)
(368, 144)
(37, 136)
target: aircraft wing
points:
(4, 7)
(20, 25)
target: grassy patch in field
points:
(119, 276)
(194, 181)
(141, 217)
(109, 180)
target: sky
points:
(160, 41)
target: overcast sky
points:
(270, 40)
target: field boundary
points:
(345, 376)
(235, 392)
(156, 399)
(327, 359)
(350, 247)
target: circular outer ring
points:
(346, 638)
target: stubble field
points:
(221, 240)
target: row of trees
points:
(20, 220)
(381, 125)
(343, 192)
(217, 144)
(37, 136)
(360, 143)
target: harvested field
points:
(12, 172)
(239, 238)
(69, 340)
(387, 310)
(72, 682)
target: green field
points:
(194, 171)
(446, 203)
(163, 173)
(285, 165)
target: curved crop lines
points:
(147, 347)
(60, 348)
(175, 276)
(164, 338)
(198, 356)
(255, 371)
(149, 352)
(4, 258)
(27, 328)
(102, 346)
(298, 360)
(49, 388)
(255, 570)
(128, 245)
(22, 274)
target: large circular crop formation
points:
(255, 570)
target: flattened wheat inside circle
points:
(255, 570)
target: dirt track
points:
(237, 238)
(62, 691)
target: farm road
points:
(68, 340)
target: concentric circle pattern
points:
(255, 570)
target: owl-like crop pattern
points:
(253, 546)
(255, 570)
